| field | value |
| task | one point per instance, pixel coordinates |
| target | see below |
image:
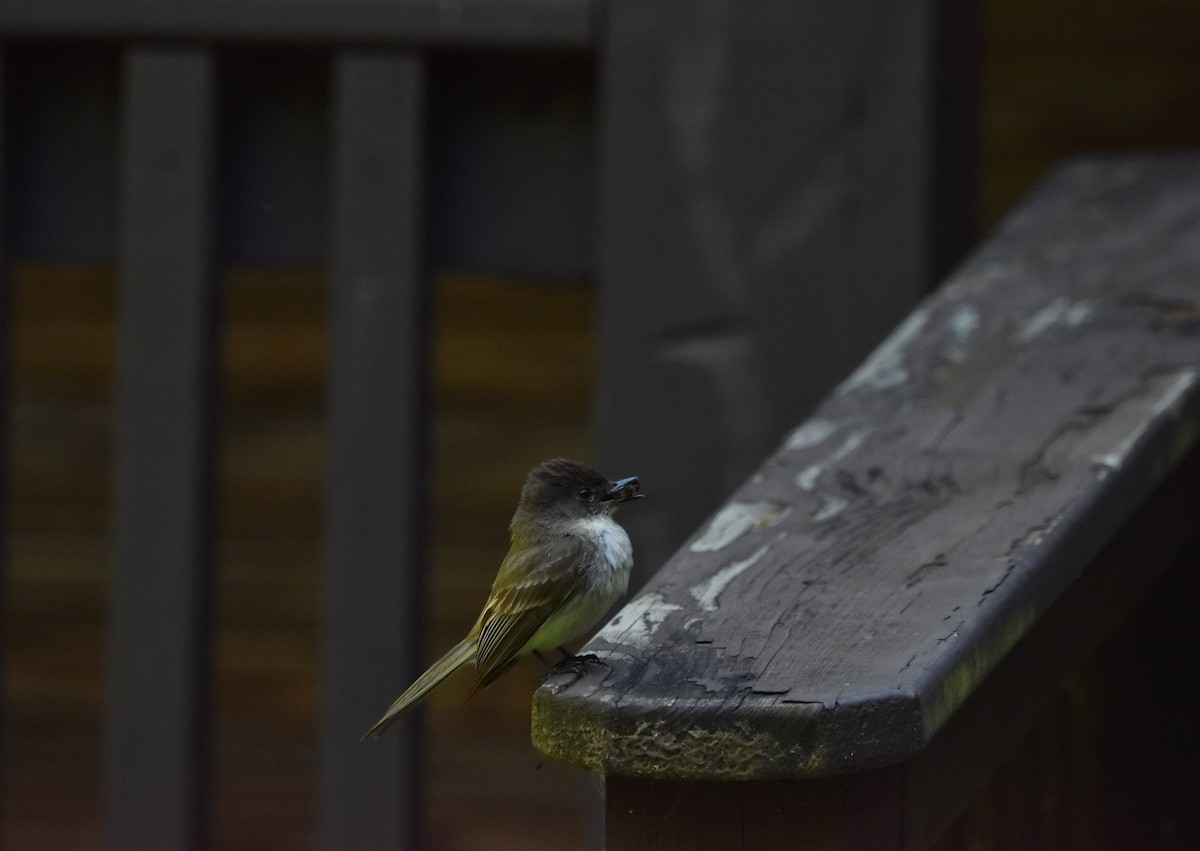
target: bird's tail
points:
(459, 655)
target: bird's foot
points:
(575, 664)
(568, 656)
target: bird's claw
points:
(577, 664)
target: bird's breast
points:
(607, 571)
(604, 576)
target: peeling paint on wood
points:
(707, 592)
(834, 505)
(735, 520)
(1059, 312)
(963, 322)
(807, 478)
(812, 433)
(932, 512)
(885, 366)
(636, 623)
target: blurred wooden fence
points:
(758, 208)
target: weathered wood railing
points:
(843, 654)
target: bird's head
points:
(566, 489)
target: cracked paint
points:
(637, 622)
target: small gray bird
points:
(568, 562)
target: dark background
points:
(513, 373)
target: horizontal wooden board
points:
(851, 595)
(548, 23)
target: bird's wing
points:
(529, 588)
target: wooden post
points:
(159, 655)
(373, 568)
(856, 813)
(764, 220)
(5, 361)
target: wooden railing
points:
(844, 653)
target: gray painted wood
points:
(373, 570)
(938, 508)
(159, 653)
(548, 23)
(910, 806)
(763, 223)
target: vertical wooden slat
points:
(376, 415)
(955, 84)
(5, 402)
(159, 658)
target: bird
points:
(568, 562)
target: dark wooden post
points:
(5, 360)
(764, 220)
(376, 473)
(845, 651)
(159, 655)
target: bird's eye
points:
(584, 494)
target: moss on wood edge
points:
(770, 740)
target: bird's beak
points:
(623, 490)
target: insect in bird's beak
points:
(623, 490)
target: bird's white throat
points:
(614, 552)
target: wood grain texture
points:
(856, 590)
(1007, 754)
